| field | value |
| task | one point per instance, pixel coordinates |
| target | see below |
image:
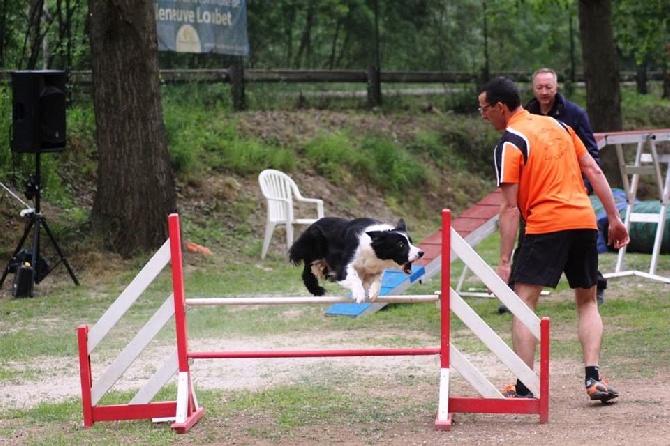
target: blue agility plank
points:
(391, 280)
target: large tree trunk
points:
(601, 74)
(136, 189)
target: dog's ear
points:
(375, 235)
(401, 225)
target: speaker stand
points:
(36, 221)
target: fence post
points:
(374, 86)
(236, 74)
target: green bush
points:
(395, 169)
(337, 157)
(252, 156)
(471, 141)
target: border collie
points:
(353, 253)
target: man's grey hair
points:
(546, 70)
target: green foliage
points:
(644, 111)
(383, 162)
(246, 156)
(394, 169)
(642, 29)
(430, 145)
(471, 141)
(336, 157)
(201, 142)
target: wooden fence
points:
(373, 78)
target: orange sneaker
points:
(600, 390)
(510, 392)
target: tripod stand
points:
(36, 221)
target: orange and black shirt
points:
(541, 155)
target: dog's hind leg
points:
(311, 281)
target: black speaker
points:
(39, 101)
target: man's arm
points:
(617, 234)
(584, 132)
(508, 222)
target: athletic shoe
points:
(600, 390)
(510, 392)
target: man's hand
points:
(617, 234)
(504, 270)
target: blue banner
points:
(202, 26)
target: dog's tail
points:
(310, 249)
(310, 246)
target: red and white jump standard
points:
(185, 412)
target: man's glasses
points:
(483, 109)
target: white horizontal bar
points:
(630, 138)
(283, 300)
(645, 218)
(637, 273)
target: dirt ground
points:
(641, 416)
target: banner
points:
(202, 26)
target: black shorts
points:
(542, 258)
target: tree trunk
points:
(601, 74)
(306, 38)
(485, 73)
(32, 42)
(666, 73)
(641, 78)
(136, 187)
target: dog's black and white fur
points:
(353, 253)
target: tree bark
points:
(306, 39)
(136, 187)
(601, 75)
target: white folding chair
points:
(282, 195)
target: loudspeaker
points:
(24, 281)
(39, 101)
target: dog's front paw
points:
(359, 298)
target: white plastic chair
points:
(281, 192)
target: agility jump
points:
(184, 411)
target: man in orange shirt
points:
(539, 163)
